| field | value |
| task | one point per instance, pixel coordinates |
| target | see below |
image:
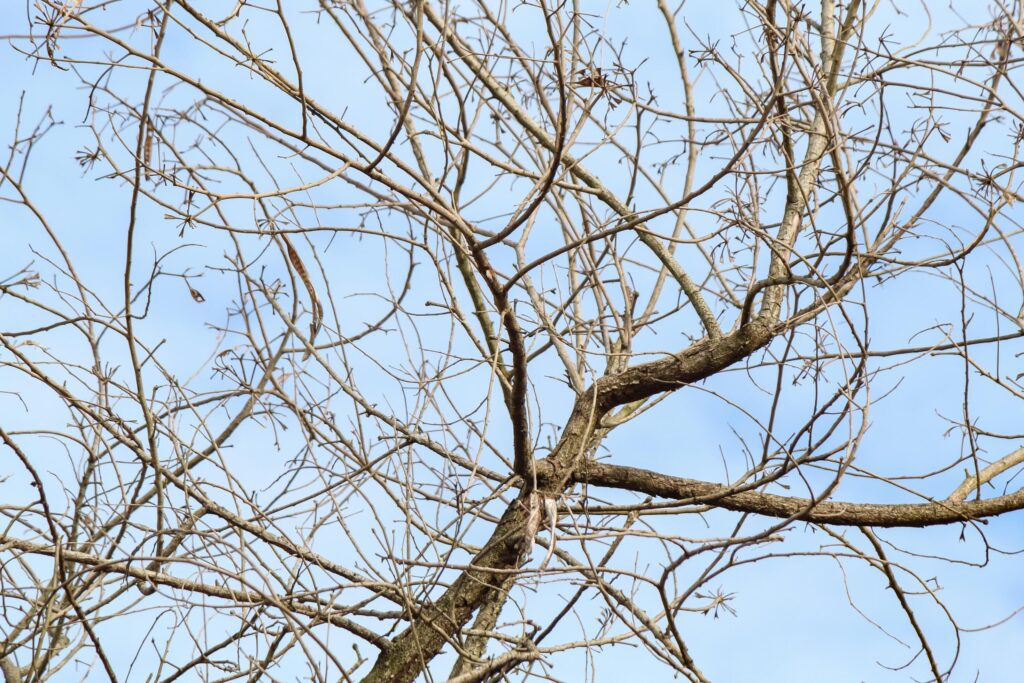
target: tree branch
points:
(770, 505)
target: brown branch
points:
(932, 513)
(232, 595)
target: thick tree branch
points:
(829, 512)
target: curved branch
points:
(973, 482)
(932, 513)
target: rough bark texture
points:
(824, 512)
(437, 624)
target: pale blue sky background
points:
(794, 621)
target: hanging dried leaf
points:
(147, 152)
(318, 310)
(196, 294)
(592, 80)
(534, 517)
(551, 513)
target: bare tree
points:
(491, 340)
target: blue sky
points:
(794, 622)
